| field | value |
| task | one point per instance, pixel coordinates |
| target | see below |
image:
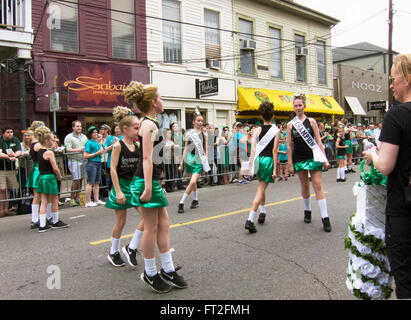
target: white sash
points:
(319, 156)
(270, 134)
(200, 150)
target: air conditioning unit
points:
(301, 51)
(247, 44)
(213, 64)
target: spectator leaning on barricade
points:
(75, 143)
(10, 151)
(178, 138)
(92, 152)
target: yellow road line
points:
(207, 219)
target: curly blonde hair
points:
(141, 95)
(43, 134)
(34, 125)
(123, 116)
(402, 64)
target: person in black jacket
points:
(393, 159)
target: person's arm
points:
(115, 156)
(49, 155)
(256, 133)
(88, 155)
(180, 168)
(318, 139)
(148, 133)
(289, 151)
(385, 158)
(275, 154)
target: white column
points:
(27, 16)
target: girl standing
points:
(93, 152)
(148, 194)
(193, 164)
(341, 148)
(301, 159)
(124, 159)
(47, 181)
(263, 160)
(34, 175)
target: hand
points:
(290, 169)
(274, 176)
(146, 196)
(367, 156)
(326, 165)
(59, 178)
(100, 152)
(12, 158)
(180, 168)
(120, 198)
(81, 149)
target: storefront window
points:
(64, 35)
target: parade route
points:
(286, 259)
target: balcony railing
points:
(15, 15)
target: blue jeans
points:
(93, 169)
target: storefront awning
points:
(355, 106)
(250, 99)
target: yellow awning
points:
(250, 99)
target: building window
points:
(212, 37)
(171, 32)
(122, 29)
(65, 36)
(247, 58)
(275, 50)
(322, 74)
(300, 58)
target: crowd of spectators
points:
(89, 155)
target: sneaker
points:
(61, 203)
(261, 218)
(339, 180)
(326, 224)
(35, 225)
(250, 226)
(60, 225)
(280, 178)
(307, 216)
(174, 279)
(90, 204)
(156, 283)
(181, 208)
(47, 227)
(286, 178)
(343, 180)
(99, 202)
(194, 204)
(130, 255)
(115, 259)
(352, 171)
(73, 203)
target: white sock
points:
(115, 245)
(150, 267)
(349, 167)
(323, 208)
(251, 216)
(342, 173)
(185, 195)
(167, 262)
(49, 216)
(195, 195)
(135, 241)
(262, 209)
(35, 212)
(339, 173)
(55, 216)
(42, 218)
(307, 204)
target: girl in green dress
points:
(147, 192)
(191, 158)
(47, 182)
(265, 164)
(124, 158)
(301, 160)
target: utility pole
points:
(390, 58)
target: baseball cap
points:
(359, 124)
(91, 129)
(105, 126)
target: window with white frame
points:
(171, 32)
(212, 36)
(123, 29)
(275, 53)
(300, 58)
(321, 67)
(247, 57)
(65, 37)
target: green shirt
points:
(13, 144)
(93, 146)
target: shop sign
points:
(376, 105)
(206, 88)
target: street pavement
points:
(286, 259)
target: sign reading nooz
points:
(206, 88)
